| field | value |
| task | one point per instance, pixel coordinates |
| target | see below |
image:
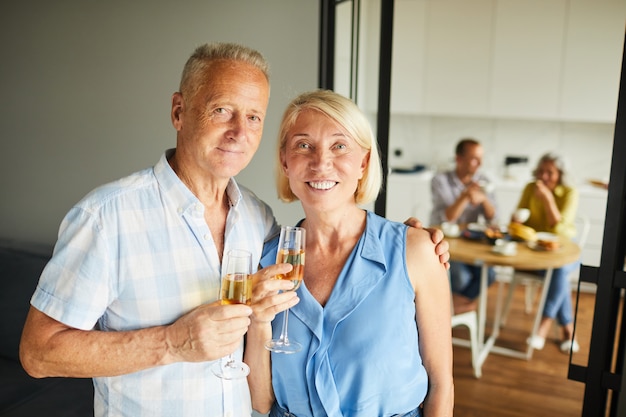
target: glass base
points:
(282, 346)
(226, 369)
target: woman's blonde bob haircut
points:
(345, 113)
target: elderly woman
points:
(553, 204)
(374, 310)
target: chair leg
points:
(469, 320)
(507, 302)
(531, 293)
(473, 331)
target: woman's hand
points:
(543, 192)
(270, 296)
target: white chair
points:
(533, 281)
(470, 320)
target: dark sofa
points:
(21, 395)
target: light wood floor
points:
(511, 387)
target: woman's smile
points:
(322, 185)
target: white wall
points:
(86, 90)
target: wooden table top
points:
(478, 252)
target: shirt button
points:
(180, 210)
(207, 236)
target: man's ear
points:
(178, 105)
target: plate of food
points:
(492, 234)
(545, 242)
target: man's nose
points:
(238, 127)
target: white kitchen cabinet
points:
(458, 57)
(408, 195)
(407, 84)
(527, 58)
(593, 205)
(530, 59)
(441, 57)
(592, 60)
(507, 194)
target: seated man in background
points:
(462, 196)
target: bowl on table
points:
(505, 247)
(450, 229)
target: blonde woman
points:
(374, 309)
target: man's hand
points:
(208, 332)
(475, 193)
(442, 247)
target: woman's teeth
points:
(322, 185)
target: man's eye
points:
(303, 146)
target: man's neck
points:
(465, 178)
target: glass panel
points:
(343, 48)
(368, 59)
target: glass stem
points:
(283, 333)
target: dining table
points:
(527, 257)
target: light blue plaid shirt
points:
(138, 253)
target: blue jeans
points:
(465, 279)
(278, 411)
(559, 299)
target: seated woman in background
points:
(553, 204)
(374, 310)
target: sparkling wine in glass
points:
(236, 288)
(290, 250)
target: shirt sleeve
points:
(269, 252)
(442, 197)
(75, 287)
(568, 208)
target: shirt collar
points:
(177, 192)
(372, 248)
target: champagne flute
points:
(236, 288)
(290, 250)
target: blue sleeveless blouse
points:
(360, 353)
